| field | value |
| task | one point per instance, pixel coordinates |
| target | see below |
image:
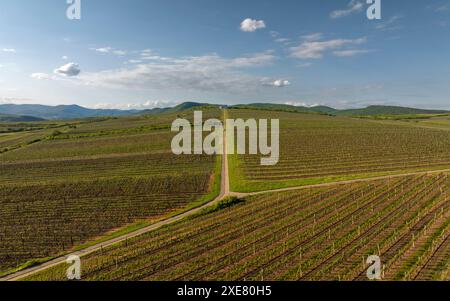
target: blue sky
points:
(147, 53)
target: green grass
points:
(247, 186)
(26, 265)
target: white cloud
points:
(119, 52)
(110, 50)
(147, 52)
(353, 6)
(134, 61)
(70, 69)
(156, 58)
(9, 50)
(65, 57)
(300, 104)
(274, 34)
(150, 104)
(316, 49)
(259, 59)
(41, 76)
(202, 73)
(313, 36)
(390, 24)
(250, 25)
(443, 7)
(102, 50)
(150, 55)
(282, 40)
(13, 100)
(351, 52)
(280, 83)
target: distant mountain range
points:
(369, 111)
(59, 112)
(30, 113)
(16, 118)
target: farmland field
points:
(317, 148)
(323, 233)
(84, 180)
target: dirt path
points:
(340, 183)
(224, 192)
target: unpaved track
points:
(224, 192)
(341, 182)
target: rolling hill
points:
(77, 112)
(389, 110)
(16, 118)
(39, 112)
(60, 112)
(179, 108)
(368, 111)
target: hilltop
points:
(12, 112)
(59, 112)
(368, 111)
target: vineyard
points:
(322, 233)
(317, 148)
(92, 178)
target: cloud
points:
(283, 40)
(70, 69)
(13, 100)
(351, 52)
(280, 83)
(150, 55)
(200, 73)
(120, 52)
(8, 50)
(41, 76)
(390, 24)
(353, 6)
(102, 50)
(250, 25)
(443, 7)
(274, 34)
(149, 104)
(316, 49)
(133, 61)
(296, 103)
(110, 50)
(65, 57)
(313, 36)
